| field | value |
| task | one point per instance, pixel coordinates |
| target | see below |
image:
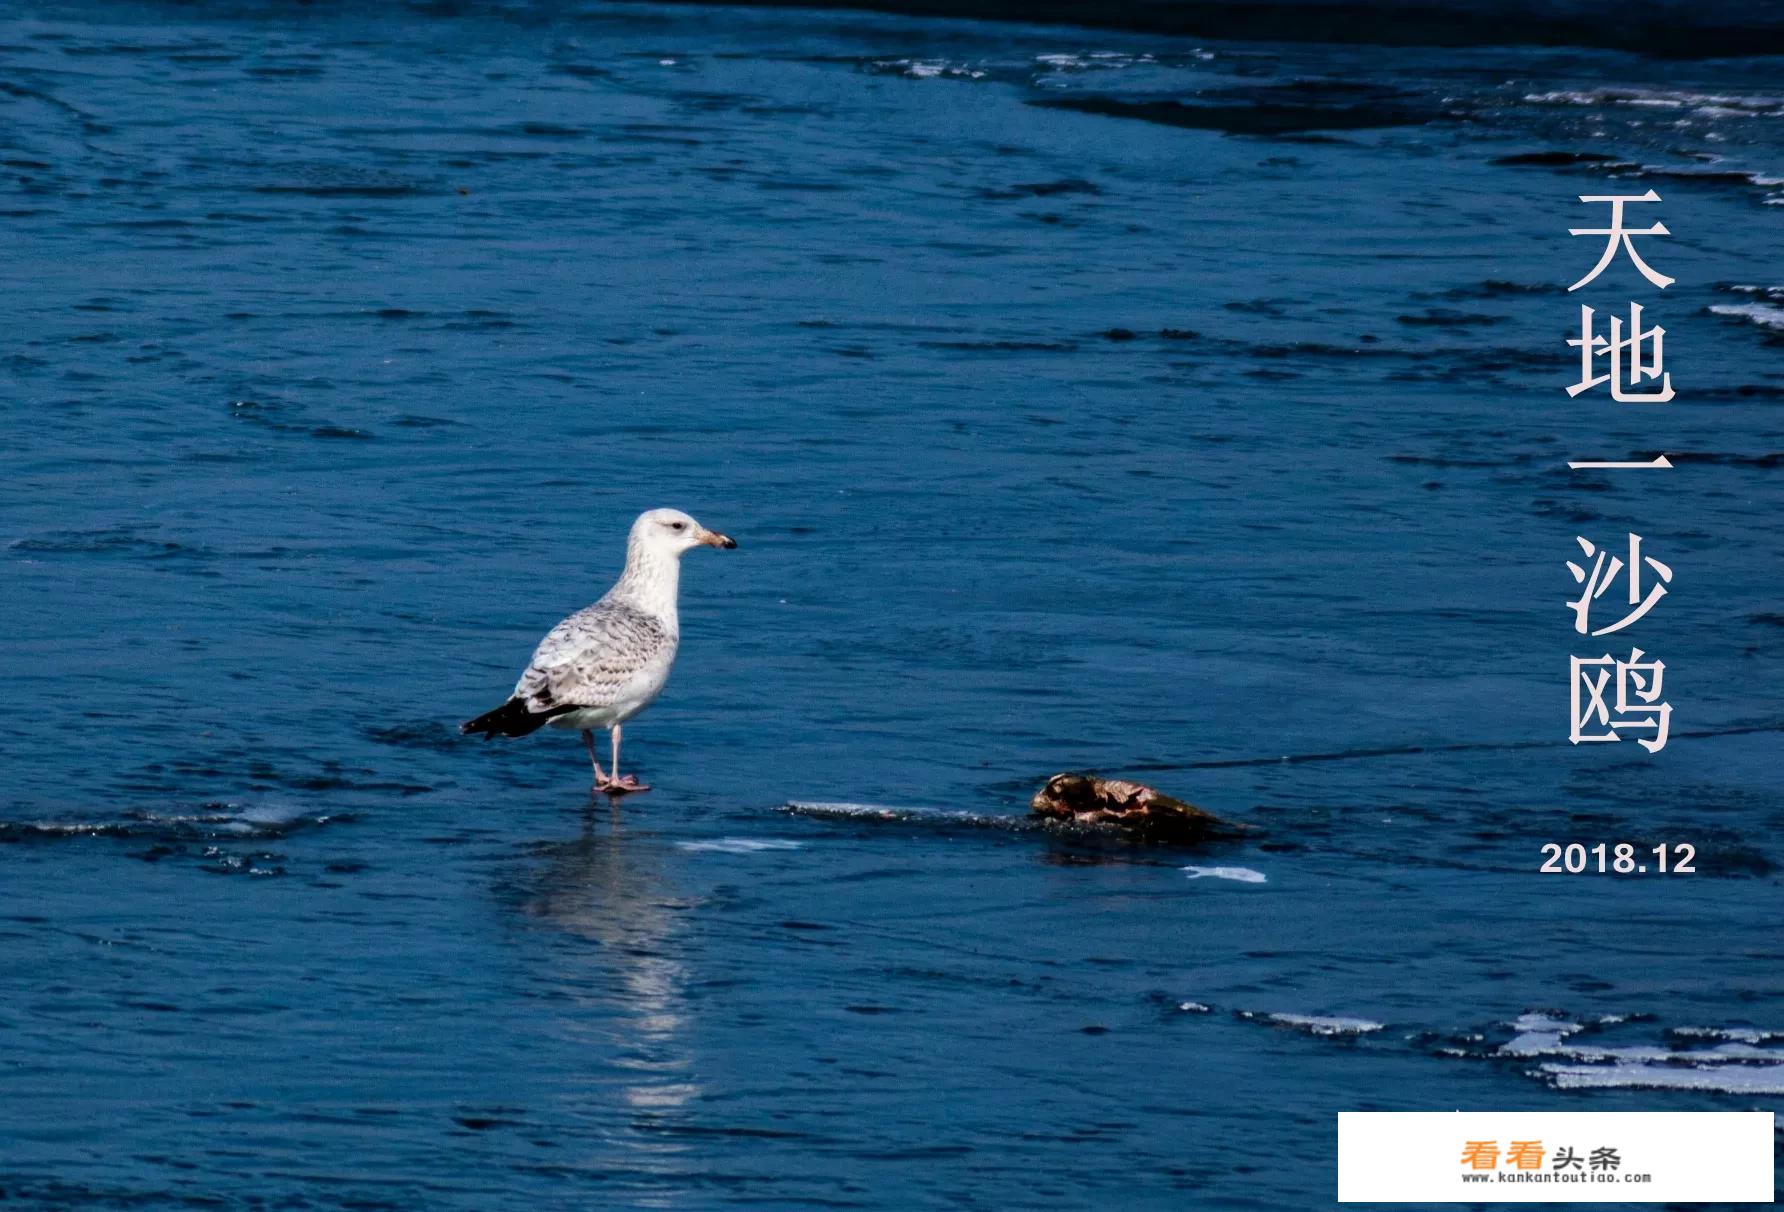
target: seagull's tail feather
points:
(510, 719)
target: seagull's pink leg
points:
(588, 738)
(617, 785)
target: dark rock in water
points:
(1085, 801)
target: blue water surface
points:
(1079, 401)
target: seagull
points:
(607, 662)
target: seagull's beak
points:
(713, 538)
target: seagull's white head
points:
(669, 532)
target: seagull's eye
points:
(678, 526)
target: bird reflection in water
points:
(628, 991)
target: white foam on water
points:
(740, 845)
(1241, 875)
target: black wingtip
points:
(510, 719)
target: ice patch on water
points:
(271, 815)
(1315, 1024)
(739, 845)
(927, 69)
(206, 821)
(849, 808)
(1741, 1035)
(1710, 104)
(1545, 1035)
(1723, 1079)
(1765, 305)
(1766, 315)
(951, 820)
(223, 838)
(1538, 1034)
(1242, 875)
(1771, 294)
(1097, 60)
(825, 810)
(1735, 1064)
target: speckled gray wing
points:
(596, 658)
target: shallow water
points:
(1079, 400)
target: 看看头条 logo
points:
(1531, 1161)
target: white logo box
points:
(1578, 1156)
